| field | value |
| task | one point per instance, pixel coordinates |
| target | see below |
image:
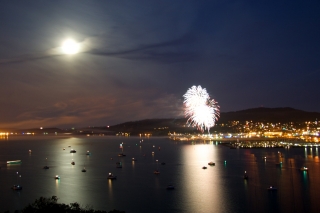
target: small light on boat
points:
(30, 151)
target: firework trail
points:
(199, 109)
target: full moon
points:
(70, 47)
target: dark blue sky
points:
(138, 58)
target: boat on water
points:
(73, 151)
(111, 176)
(204, 167)
(57, 177)
(211, 163)
(88, 153)
(163, 163)
(170, 186)
(16, 187)
(272, 188)
(156, 172)
(133, 159)
(84, 169)
(14, 162)
(279, 164)
(118, 164)
(73, 163)
(121, 154)
(304, 168)
(245, 176)
(46, 167)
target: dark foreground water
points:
(220, 188)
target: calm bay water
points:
(220, 188)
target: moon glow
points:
(70, 47)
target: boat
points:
(272, 188)
(245, 176)
(73, 163)
(170, 186)
(16, 187)
(84, 169)
(73, 151)
(57, 177)
(46, 167)
(119, 165)
(14, 162)
(156, 172)
(121, 154)
(133, 159)
(111, 176)
(88, 153)
(279, 164)
(163, 163)
(304, 168)
(204, 167)
(211, 163)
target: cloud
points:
(98, 110)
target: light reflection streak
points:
(57, 183)
(201, 187)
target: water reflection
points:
(219, 188)
(202, 188)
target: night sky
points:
(138, 58)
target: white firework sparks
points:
(200, 110)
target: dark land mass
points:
(262, 114)
(158, 127)
(162, 127)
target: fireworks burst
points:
(200, 110)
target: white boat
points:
(88, 153)
(245, 176)
(211, 163)
(304, 168)
(57, 177)
(111, 176)
(121, 154)
(133, 159)
(272, 188)
(14, 162)
(16, 187)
